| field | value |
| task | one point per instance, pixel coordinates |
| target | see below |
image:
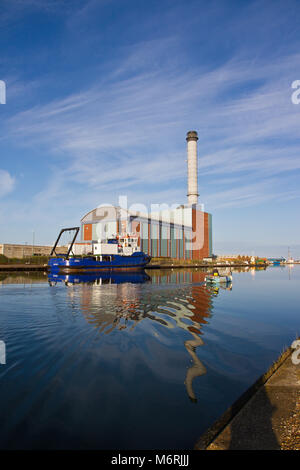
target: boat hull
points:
(90, 264)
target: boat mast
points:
(72, 243)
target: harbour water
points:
(135, 361)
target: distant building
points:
(220, 257)
(24, 251)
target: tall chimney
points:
(192, 160)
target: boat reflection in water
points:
(124, 302)
(97, 279)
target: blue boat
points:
(276, 261)
(114, 254)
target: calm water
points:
(138, 362)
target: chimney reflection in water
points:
(130, 303)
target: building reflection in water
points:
(129, 303)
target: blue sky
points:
(100, 95)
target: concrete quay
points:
(43, 267)
(201, 265)
(266, 417)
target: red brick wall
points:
(201, 234)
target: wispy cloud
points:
(240, 196)
(7, 182)
(127, 131)
(121, 128)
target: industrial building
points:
(183, 232)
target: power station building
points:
(183, 232)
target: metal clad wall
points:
(164, 241)
(112, 229)
(95, 231)
(158, 240)
(104, 230)
(161, 238)
(180, 243)
(149, 238)
(188, 235)
(173, 242)
(144, 237)
(154, 239)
